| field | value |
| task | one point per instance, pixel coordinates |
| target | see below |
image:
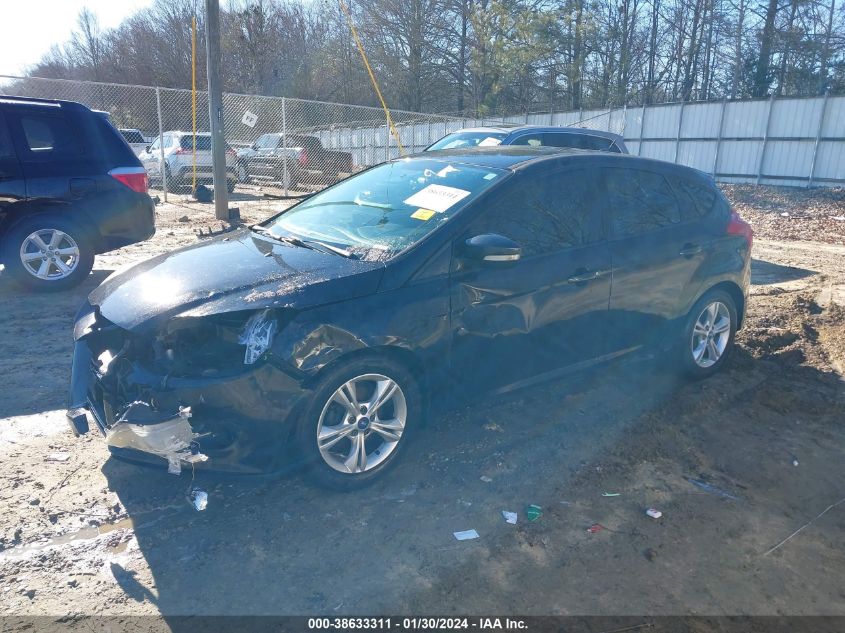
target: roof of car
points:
(514, 157)
(542, 128)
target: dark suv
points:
(70, 188)
(325, 333)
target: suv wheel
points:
(358, 421)
(708, 334)
(48, 253)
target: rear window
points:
(578, 141)
(132, 136)
(203, 143)
(50, 134)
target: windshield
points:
(267, 141)
(388, 208)
(469, 139)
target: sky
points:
(28, 28)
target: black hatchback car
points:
(321, 335)
(70, 188)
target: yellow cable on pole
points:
(360, 46)
(194, 97)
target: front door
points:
(515, 321)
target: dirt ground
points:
(82, 534)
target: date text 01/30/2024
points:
(418, 624)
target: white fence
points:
(789, 141)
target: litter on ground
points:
(533, 512)
(510, 517)
(466, 535)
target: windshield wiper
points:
(313, 245)
(333, 249)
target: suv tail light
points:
(182, 151)
(231, 152)
(738, 226)
(303, 158)
(133, 177)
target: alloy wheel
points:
(362, 423)
(711, 334)
(49, 254)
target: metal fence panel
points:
(782, 141)
(701, 120)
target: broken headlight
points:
(214, 345)
(257, 335)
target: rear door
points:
(655, 254)
(58, 162)
(515, 321)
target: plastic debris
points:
(611, 494)
(486, 479)
(510, 517)
(466, 535)
(654, 514)
(57, 457)
(199, 498)
(174, 466)
(712, 489)
(492, 426)
(595, 527)
(533, 512)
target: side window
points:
(6, 148)
(546, 212)
(702, 198)
(578, 141)
(156, 144)
(532, 140)
(639, 201)
(50, 134)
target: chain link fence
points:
(277, 147)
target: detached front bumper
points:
(241, 420)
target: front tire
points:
(358, 422)
(48, 253)
(708, 335)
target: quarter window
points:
(639, 201)
(546, 212)
(44, 134)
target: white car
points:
(178, 160)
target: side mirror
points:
(147, 148)
(491, 247)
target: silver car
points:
(178, 149)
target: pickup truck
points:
(135, 139)
(300, 158)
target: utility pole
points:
(215, 109)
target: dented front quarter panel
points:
(414, 318)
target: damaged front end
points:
(190, 390)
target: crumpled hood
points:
(238, 271)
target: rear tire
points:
(708, 335)
(362, 435)
(48, 253)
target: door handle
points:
(690, 249)
(583, 276)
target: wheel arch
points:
(16, 216)
(735, 292)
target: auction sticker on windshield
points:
(436, 197)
